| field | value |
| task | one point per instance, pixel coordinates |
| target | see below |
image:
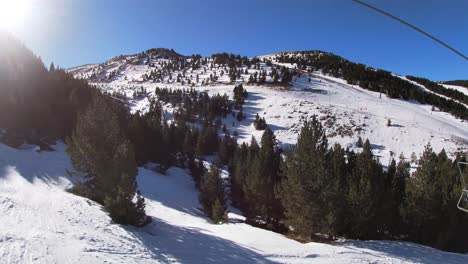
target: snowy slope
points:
(453, 87)
(347, 111)
(456, 87)
(42, 223)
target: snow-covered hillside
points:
(457, 88)
(347, 111)
(42, 223)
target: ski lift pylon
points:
(463, 201)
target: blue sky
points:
(76, 32)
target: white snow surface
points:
(42, 223)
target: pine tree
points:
(260, 183)
(397, 195)
(335, 193)
(366, 195)
(100, 154)
(212, 192)
(51, 67)
(305, 173)
(238, 171)
(260, 123)
(359, 143)
(218, 214)
(429, 210)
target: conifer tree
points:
(366, 195)
(218, 212)
(305, 173)
(262, 178)
(429, 210)
(238, 171)
(397, 195)
(335, 193)
(212, 197)
(105, 158)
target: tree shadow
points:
(396, 125)
(405, 251)
(377, 147)
(250, 109)
(169, 243)
(315, 86)
(49, 167)
(184, 200)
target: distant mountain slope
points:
(286, 94)
(447, 100)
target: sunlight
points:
(12, 13)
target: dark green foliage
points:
(301, 192)
(429, 210)
(195, 105)
(258, 188)
(359, 143)
(44, 102)
(338, 193)
(239, 96)
(260, 123)
(197, 170)
(227, 149)
(218, 212)
(208, 140)
(105, 159)
(366, 195)
(231, 60)
(212, 197)
(238, 170)
(398, 174)
(286, 76)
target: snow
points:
(42, 223)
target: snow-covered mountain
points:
(347, 111)
(43, 223)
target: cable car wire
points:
(411, 26)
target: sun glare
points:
(12, 13)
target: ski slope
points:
(42, 223)
(456, 87)
(347, 111)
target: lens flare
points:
(12, 13)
